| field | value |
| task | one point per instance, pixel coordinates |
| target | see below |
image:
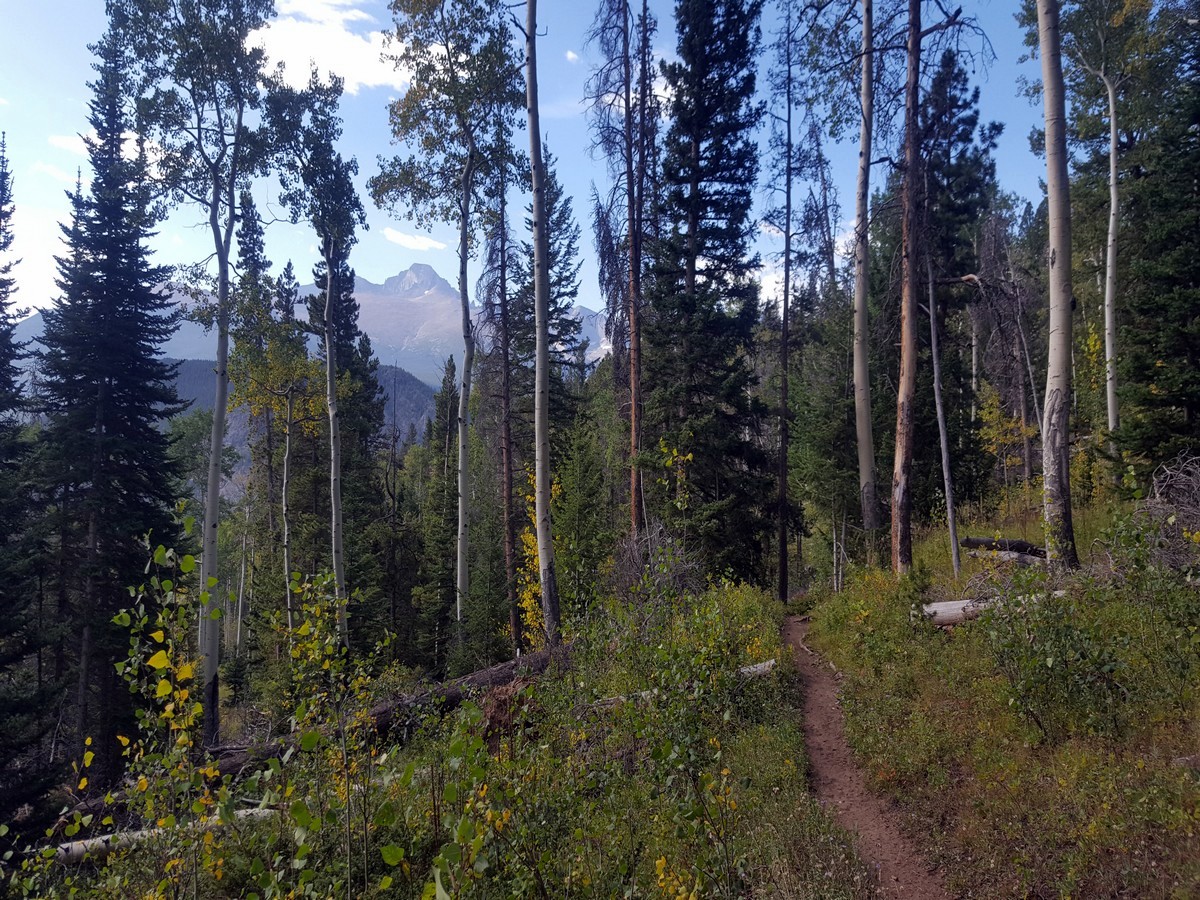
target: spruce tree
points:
(562, 326)
(25, 689)
(106, 392)
(703, 296)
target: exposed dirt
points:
(839, 784)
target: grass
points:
(695, 789)
(1033, 748)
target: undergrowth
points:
(1040, 746)
(688, 780)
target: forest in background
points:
(1009, 363)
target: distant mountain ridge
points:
(413, 319)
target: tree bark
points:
(633, 200)
(541, 282)
(1056, 473)
(907, 388)
(285, 512)
(462, 573)
(506, 444)
(210, 627)
(781, 537)
(335, 454)
(943, 438)
(1110, 270)
(867, 486)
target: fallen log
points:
(757, 670)
(954, 612)
(404, 712)
(1008, 556)
(97, 848)
(1013, 545)
(386, 716)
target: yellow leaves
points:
(143, 785)
(163, 689)
(87, 758)
(124, 740)
(186, 672)
(83, 783)
(159, 660)
(157, 636)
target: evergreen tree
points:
(704, 300)
(106, 392)
(562, 326)
(1160, 384)
(25, 691)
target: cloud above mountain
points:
(416, 242)
(334, 35)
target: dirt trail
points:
(840, 785)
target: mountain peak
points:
(416, 281)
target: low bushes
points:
(1039, 744)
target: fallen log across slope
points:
(954, 612)
(403, 712)
(386, 717)
(1008, 556)
(1004, 545)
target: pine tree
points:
(1160, 385)
(704, 300)
(106, 392)
(562, 325)
(25, 690)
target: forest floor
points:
(841, 786)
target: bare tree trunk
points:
(943, 438)
(1110, 270)
(541, 305)
(223, 194)
(907, 388)
(335, 453)
(1026, 440)
(462, 572)
(867, 487)
(506, 461)
(781, 537)
(973, 313)
(285, 512)
(1056, 473)
(633, 200)
(236, 626)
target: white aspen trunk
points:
(634, 247)
(541, 305)
(210, 626)
(907, 388)
(1110, 269)
(1056, 492)
(236, 627)
(285, 512)
(943, 438)
(867, 486)
(781, 537)
(335, 455)
(462, 576)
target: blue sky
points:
(43, 95)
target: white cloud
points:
(53, 171)
(72, 143)
(3, 101)
(319, 32)
(572, 56)
(418, 242)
